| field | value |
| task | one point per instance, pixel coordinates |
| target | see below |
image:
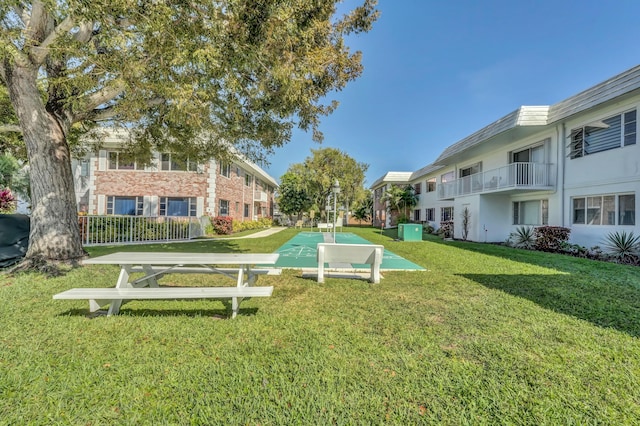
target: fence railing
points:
(514, 176)
(99, 230)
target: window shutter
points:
(200, 206)
(102, 160)
(102, 203)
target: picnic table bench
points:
(156, 265)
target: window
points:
(610, 133)
(446, 214)
(225, 169)
(176, 162)
(431, 185)
(627, 209)
(601, 210)
(447, 177)
(132, 206)
(535, 212)
(246, 210)
(121, 161)
(247, 179)
(416, 215)
(417, 188)
(224, 208)
(178, 206)
(430, 214)
(471, 170)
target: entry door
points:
(524, 170)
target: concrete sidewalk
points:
(261, 234)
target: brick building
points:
(107, 182)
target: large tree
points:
(190, 76)
(319, 172)
(292, 196)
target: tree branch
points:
(102, 96)
(40, 52)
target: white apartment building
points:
(575, 164)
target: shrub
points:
(7, 201)
(446, 229)
(623, 247)
(550, 238)
(523, 237)
(222, 225)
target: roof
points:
(525, 116)
(392, 177)
(425, 171)
(527, 119)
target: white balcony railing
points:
(260, 197)
(97, 230)
(525, 176)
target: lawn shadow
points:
(220, 313)
(615, 306)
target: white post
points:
(336, 191)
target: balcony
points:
(260, 197)
(514, 177)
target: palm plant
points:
(523, 237)
(623, 246)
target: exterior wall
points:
(94, 182)
(612, 172)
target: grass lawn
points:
(488, 335)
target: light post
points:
(336, 190)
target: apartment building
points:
(109, 183)
(574, 164)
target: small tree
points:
(364, 210)
(400, 199)
(466, 222)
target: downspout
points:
(561, 163)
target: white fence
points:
(100, 230)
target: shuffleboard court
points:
(300, 252)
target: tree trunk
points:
(54, 233)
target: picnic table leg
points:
(320, 264)
(235, 304)
(123, 282)
(151, 281)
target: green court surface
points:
(300, 252)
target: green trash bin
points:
(410, 232)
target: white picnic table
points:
(239, 266)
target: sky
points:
(438, 71)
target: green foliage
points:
(551, 238)
(523, 237)
(247, 225)
(115, 229)
(292, 197)
(623, 246)
(178, 74)
(363, 210)
(222, 225)
(14, 176)
(400, 199)
(318, 173)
